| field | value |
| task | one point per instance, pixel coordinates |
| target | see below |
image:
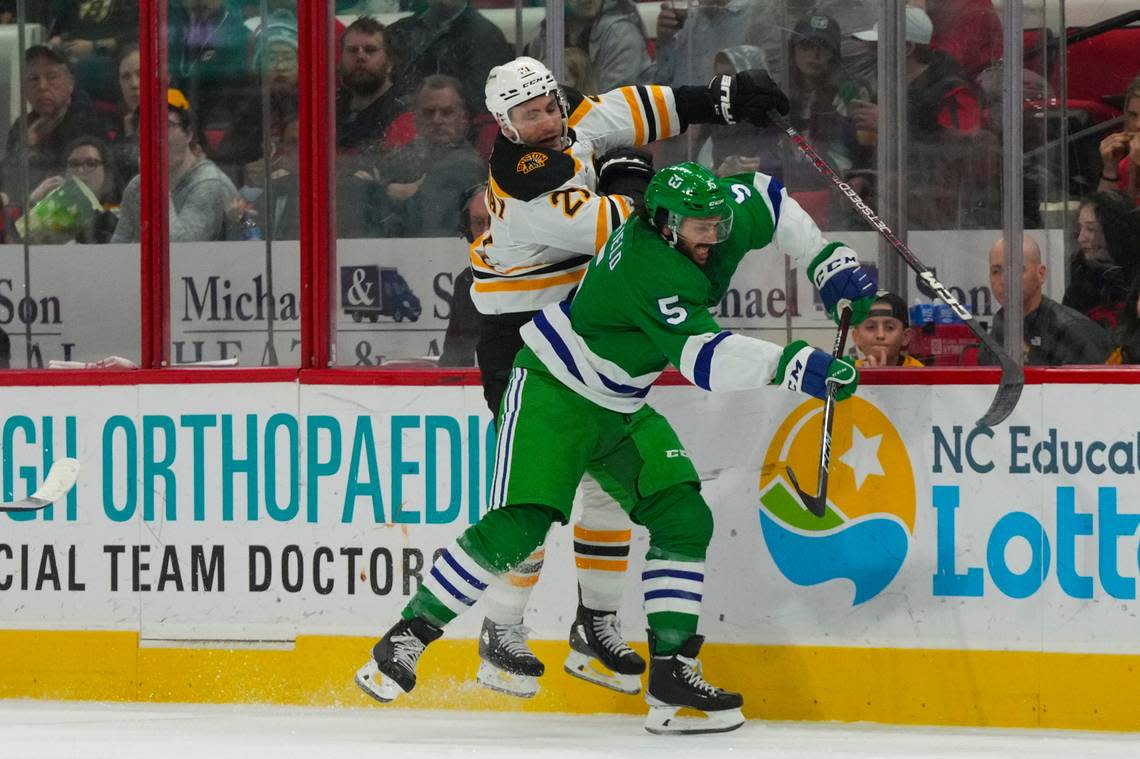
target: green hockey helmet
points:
(684, 190)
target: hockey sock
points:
(493, 545)
(601, 548)
(509, 594)
(673, 592)
(680, 528)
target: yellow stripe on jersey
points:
(580, 112)
(495, 188)
(623, 204)
(638, 116)
(666, 129)
(602, 228)
(529, 284)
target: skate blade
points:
(593, 671)
(376, 684)
(493, 678)
(663, 720)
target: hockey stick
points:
(817, 504)
(1012, 377)
(60, 479)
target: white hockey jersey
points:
(547, 221)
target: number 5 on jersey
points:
(674, 314)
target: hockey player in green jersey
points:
(576, 404)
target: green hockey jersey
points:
(643, 305)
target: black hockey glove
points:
(624, 171)
(747, 96)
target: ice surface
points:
(74, 730)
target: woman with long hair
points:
(1107, 258)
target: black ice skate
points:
(599, 653)
(675, 682)
(508, 665)
(392, 668)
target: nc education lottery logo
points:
(865, 534)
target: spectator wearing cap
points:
(423, 182)
(58, 113)
(447, 37)
(273, 77)
(944, 131)
(885, 334)
(203, 200)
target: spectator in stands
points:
(1126, 335)
(203, 200)
(279, 206)
(580, 72)
(125, 129)
(463, 324)
(1107, 258)
(1120, 152)
(1054, 334)
(447, 37)
(90, 35)
(944, 120)
(273, 78)
(611, 33)
(367, 103)
(687, 44)
(58, 114)
(208, 52)
(423, 183)
(91, 161)
(967, 30)
(885, 334)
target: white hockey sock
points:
(601, 548)
(509, 593)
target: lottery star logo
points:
(865, 534)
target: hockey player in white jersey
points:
(564, 173)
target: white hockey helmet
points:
(516, 82)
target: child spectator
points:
(885, 334)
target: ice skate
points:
(391, 670)
(599, 653)
(508, 665)
(676, 682)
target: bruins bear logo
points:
(532, 161)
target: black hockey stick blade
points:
(59, 480)
(1012, 377)
(817, 504)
